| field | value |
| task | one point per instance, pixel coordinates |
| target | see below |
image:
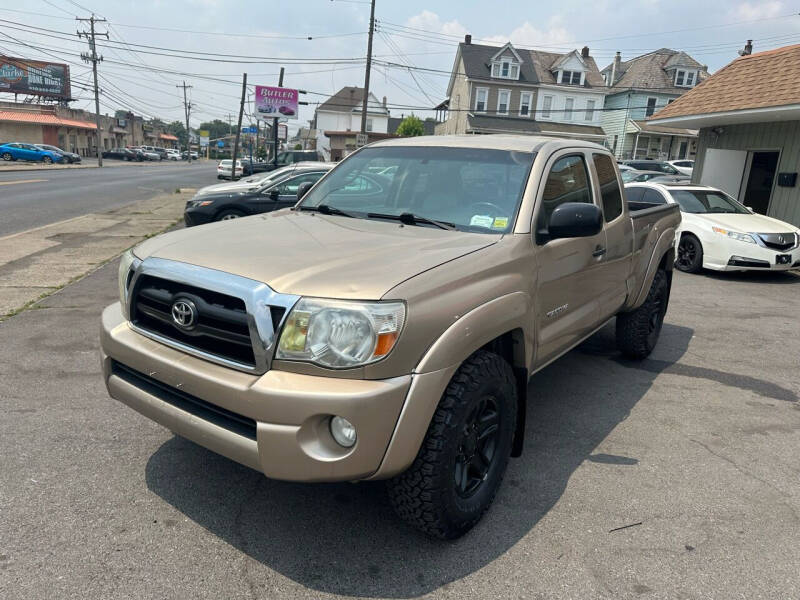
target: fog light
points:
(343, 432)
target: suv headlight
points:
(735, 235)
(340, 333)
(125, 263)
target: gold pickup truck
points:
(387, 325)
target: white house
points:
(338, 119)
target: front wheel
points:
(227, 215)
(7, 156)
(690, 254)
(47, 160)
(638, 330)
(460, 465)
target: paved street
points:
(30, 199)
(676, 477)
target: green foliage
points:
(298, 146)
(216, 128)
(177, 129)
(411, 126)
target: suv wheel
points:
(638, 330)
(690, 254)
(464, 455)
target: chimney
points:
(615, 68)
(585, 52)
(384, 102)
(748, 48)
(468, 39)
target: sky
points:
(156, 45)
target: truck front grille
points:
(220, 327)
(778, 241)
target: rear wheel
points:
(227, 215)
(638, 330)
(690, 254)
(47, 160)
(464, 455)
(7, 156)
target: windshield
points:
(706, 201)
(628, 176)
(473, 189)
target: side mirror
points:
(575, 219)
(303, 188)
(274, 194)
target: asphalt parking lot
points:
(677, 477)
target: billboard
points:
(34, 77)
(274, 102)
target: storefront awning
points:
(43, 119)
(167, 136)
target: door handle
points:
(599, 251)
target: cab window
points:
(568, 181)
(609, 186)
(653, 197)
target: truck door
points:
(569, 277)
(615, 263)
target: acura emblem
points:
(184, 314)
(780, 239)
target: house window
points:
(616, 140)
(505, 69)
(571, 77)
(503, 97)
(569, 104)
(689, 78)
(481, 97)
(369, 124)
(685, 78)
(525, 104)
(589, 116)
(679, 77)
(651, 106)
(547, 105)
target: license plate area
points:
(783, 259)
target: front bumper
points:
(288, 413)
(198, 215)
(729, 255)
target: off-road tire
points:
(229, 214)
(426, 495)
(638, 330)
(690, 254)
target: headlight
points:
(122, 277)
(742, 237)
(340, 333)
(196, 203)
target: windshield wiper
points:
(326, 209)
(411, 219)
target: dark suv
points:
(652, 165)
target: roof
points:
(535, 67)
(646, 127)
(528, 126)
(517, 143)
(167, 136)
(43, 119)
(349, 98)
(650, 71)
(771, 80)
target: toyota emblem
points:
(184, 314)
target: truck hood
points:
(309, 254)
(748, 223)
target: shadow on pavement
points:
(345, 539)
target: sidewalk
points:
(35, 263)
(89, 163)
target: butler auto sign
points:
(275, 102)
(34, 77)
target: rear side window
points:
(653, 197)
(609, 186)
(634, 194)
(568, 181)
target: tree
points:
(178, 129)
(411, 126)
(216, 128)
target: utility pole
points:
(187, 107)
(94, 59)
(238, 129)
(369, 65)
(275, 128)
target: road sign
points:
(220, 144)
(245, 130)
(272, 102)
(252, 129)
(203, 133)
(361, 139)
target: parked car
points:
(260, 179)
(232, 204)
(389, 331)
(185, 155)
(224, 169)
(683, 166)
(29, 152)
(69, 157)
(147, 154)
(652, 165)
(173, 155)
(718, 233)
(632, 175)
(293, 156)
(126, 154)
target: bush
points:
(410, 127)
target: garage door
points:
(723, 169)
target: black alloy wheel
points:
(690, 254)
(478, 447)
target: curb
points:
(146, 163)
